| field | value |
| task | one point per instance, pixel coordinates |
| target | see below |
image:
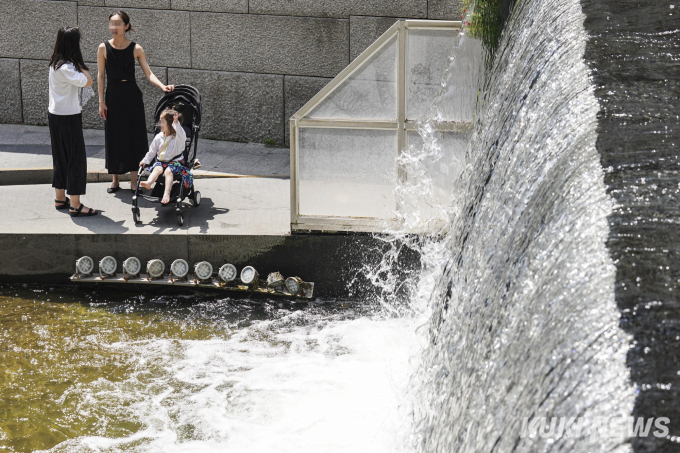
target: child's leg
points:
(152, 177)
(168, 186)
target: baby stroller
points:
(186, 100)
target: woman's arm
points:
(71, 75)
(141, 56)
(89, 78)
(101, 78)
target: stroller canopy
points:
(186, 100)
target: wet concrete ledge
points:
(334, 262)
(243, 221)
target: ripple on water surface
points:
(110, 372)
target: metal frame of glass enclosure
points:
(304, 122)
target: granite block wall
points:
(255, 61)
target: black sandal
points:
(78, 212)
(62, 204)
(113, 189)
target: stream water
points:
(111, 372)
(512, 317)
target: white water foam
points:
(297, 384)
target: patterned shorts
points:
(177, 168)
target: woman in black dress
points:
(123, 107)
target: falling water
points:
(512, 316)
(523, 321)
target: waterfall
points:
(523, 320)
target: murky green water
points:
(55, 341)
(85, 371)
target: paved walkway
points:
(229, 206)
(26, 157)
(245, 191)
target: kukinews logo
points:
(597, 428)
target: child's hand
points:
(175, 118)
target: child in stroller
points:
(178, 118)
(168, 149)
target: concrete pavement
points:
(243, 219)
(254, 206)
(26, 157)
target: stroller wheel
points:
(135, 215)
(180, 219)
(197, 199)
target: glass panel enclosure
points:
(370, 93)
(346, 141)
(445, 165)
(462, 81)
(347, 172)
(428, 57)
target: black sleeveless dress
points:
(125, 125)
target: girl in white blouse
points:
(68, 74)
(167, 147)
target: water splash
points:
(519, 284)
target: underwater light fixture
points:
(107, 267)
(293, 284)
(275, 280)
(179, 268)
(227, 273)
(249, 275)
(179, 276)
(203, 270)
(155, 268)
(131, 267)
(84, 266)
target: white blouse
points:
(169, 148)
(64, 85)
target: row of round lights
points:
(179, 269)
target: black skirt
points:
(126, 139)
(69, 160)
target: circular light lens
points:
(179, 268)
(248, 275)
(228, 273)
(108, 265)
(85, 265)
(293, 284)
(203, 270)
(155, 268)
(132, 266)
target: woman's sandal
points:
(113, 189)
(62, 204)
(78, 212)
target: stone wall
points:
(255, 61)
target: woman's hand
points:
(175, 118)
(141, 163)
(103, 110)
(169, 88)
